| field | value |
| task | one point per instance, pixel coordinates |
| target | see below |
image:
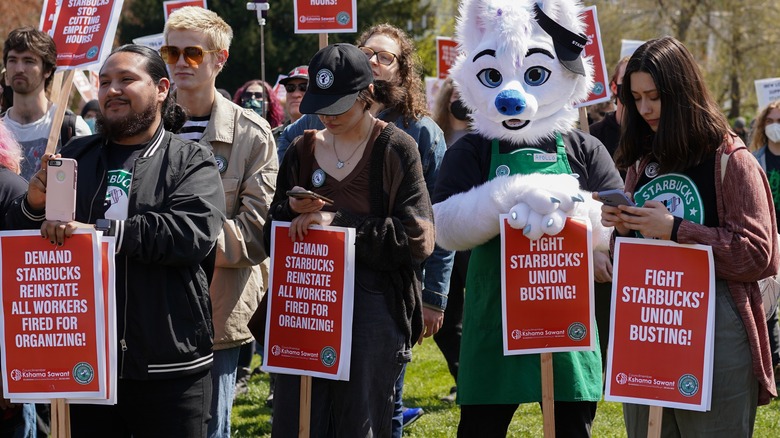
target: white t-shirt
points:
(33, 136)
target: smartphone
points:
(61, 190)
(616, 197)
(308, 194)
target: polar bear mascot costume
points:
(519, 72)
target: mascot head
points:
(520, 68)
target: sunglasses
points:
(383, 57)
(249, 95)
(193, 55)
(302, 87)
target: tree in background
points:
(734, 41)
(18, 13)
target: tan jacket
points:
(246, 156)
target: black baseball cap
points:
(337, 73)
(300, 72)
(568, 45)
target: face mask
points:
(255, 105)
(459, 111)
(773, 132)
(91, 123)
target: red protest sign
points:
(107, 256)
(446, 52)
(172, 5)
(547, 290)
(84, 32)
(323, 16)
(594, 49)
(663, 297)
(52, 305)
(309, 324)
(48, 14)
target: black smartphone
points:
(615, 197)
(308, 194)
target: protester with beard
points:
(401, 99)
(165, 222)
(30, 59)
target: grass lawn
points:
(427, 379)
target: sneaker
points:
(450, 398)
(411, 415)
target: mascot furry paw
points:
(519, 72)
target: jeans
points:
(21, 422)
(362, 406)
(448, 336)
(397, 422)
(223, 378)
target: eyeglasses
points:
(383, 57)
(193, 55)
(249, 95)
(302, 87)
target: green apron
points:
(485, 375)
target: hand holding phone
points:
(61, 190)
(615, 197)
(308, 194)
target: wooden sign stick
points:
(584, 120)
(654, 421)
(548, 395)
(304, 416)
(62, 95)
(60, 418)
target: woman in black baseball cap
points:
(371, 172)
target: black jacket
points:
(164, 326)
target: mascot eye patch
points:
(490, 77)
(536, 76)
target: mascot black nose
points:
(510, 103)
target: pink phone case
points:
(61, 190)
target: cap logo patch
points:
(324, 78)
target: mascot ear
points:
(471, 27)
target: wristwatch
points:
(103, 225)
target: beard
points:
(24, 85)
(128, 126)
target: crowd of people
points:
(210, 173)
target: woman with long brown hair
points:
(674, 136)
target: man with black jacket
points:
(162, 198)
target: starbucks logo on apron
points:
(678, 193)
(318, 178)
(502, 170)
(221, 163)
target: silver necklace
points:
(341, 163)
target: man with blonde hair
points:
(197, 43)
